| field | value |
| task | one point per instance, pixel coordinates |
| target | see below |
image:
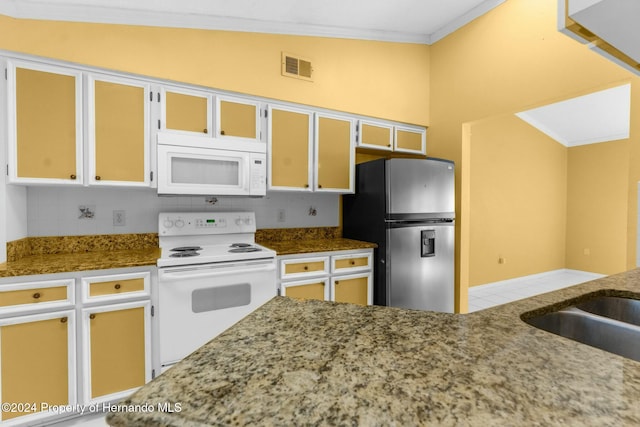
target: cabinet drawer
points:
(26, 296)
(304, 267)
(115, 287)
(351, 263)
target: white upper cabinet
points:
(410, 139)
(44, 124)
(376, 135)
(237, 118)
(186, 111)
(118, 131)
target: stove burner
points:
(240, 245)
(184, 254)
(244, 249)
(186, 249)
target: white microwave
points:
(192, 165)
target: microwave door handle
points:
(203, 272)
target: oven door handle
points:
(193, 273)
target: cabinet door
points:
(45, 124)
(354, 289)
(411, 139)
(309, 289)
(118, 132)
(290, 151)
(116, 350)
(375, 135)
(334, 165)
(37, 361)
(237, 118)
(186, 111)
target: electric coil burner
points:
(211, 274)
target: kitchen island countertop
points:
(324, 363)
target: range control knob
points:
(238, 221)
(179, 223)
(168, 223)
(247, 220)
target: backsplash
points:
(55, 211)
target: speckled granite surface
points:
(288, 247)
(309, 233)
(322, 363)
(58, 254)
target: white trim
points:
(91, 134)
(380, 124)
(310, 147)
(415, 129)
(251, 102)
(86, 283)
(316, 132)
(325, 280)
(286, 261)
(12, 125)
(71, 363)
(368, 275)
(39, 306)
(203, 93)
(86, 349)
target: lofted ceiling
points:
(597, 117)
(411, 21)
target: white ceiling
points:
(411, 21)
(597, 117)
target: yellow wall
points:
(517, 200)
(379, 79)
(509, 60)
(597, 207)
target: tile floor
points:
(480, 297)
(491, 294)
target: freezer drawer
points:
(420, 267)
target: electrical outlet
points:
(281, 215)
(119, 218)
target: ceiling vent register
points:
(296, 67)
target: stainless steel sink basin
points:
(608, 323)
(623, 309)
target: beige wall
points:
(379, 79)
(518, 199)
(597, 207)
(510, 60)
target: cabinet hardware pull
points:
(388, 145)
(63, 320)
(337, 282)
(221, 132)
(92, 316)
(306, 186)
(117, 286)
(72, 176)
(319, 186)
(36, 295)
(353, 263)
(306, 267)
(98, 178)
(205, 131)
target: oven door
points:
(197, 303)
(202, 171)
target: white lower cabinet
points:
(341, 276)
(59, 354)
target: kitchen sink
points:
(608, 323)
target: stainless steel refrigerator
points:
(407, 207)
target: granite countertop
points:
(80, 261)
(289, 247)
(324, 363)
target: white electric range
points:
(211, 274)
